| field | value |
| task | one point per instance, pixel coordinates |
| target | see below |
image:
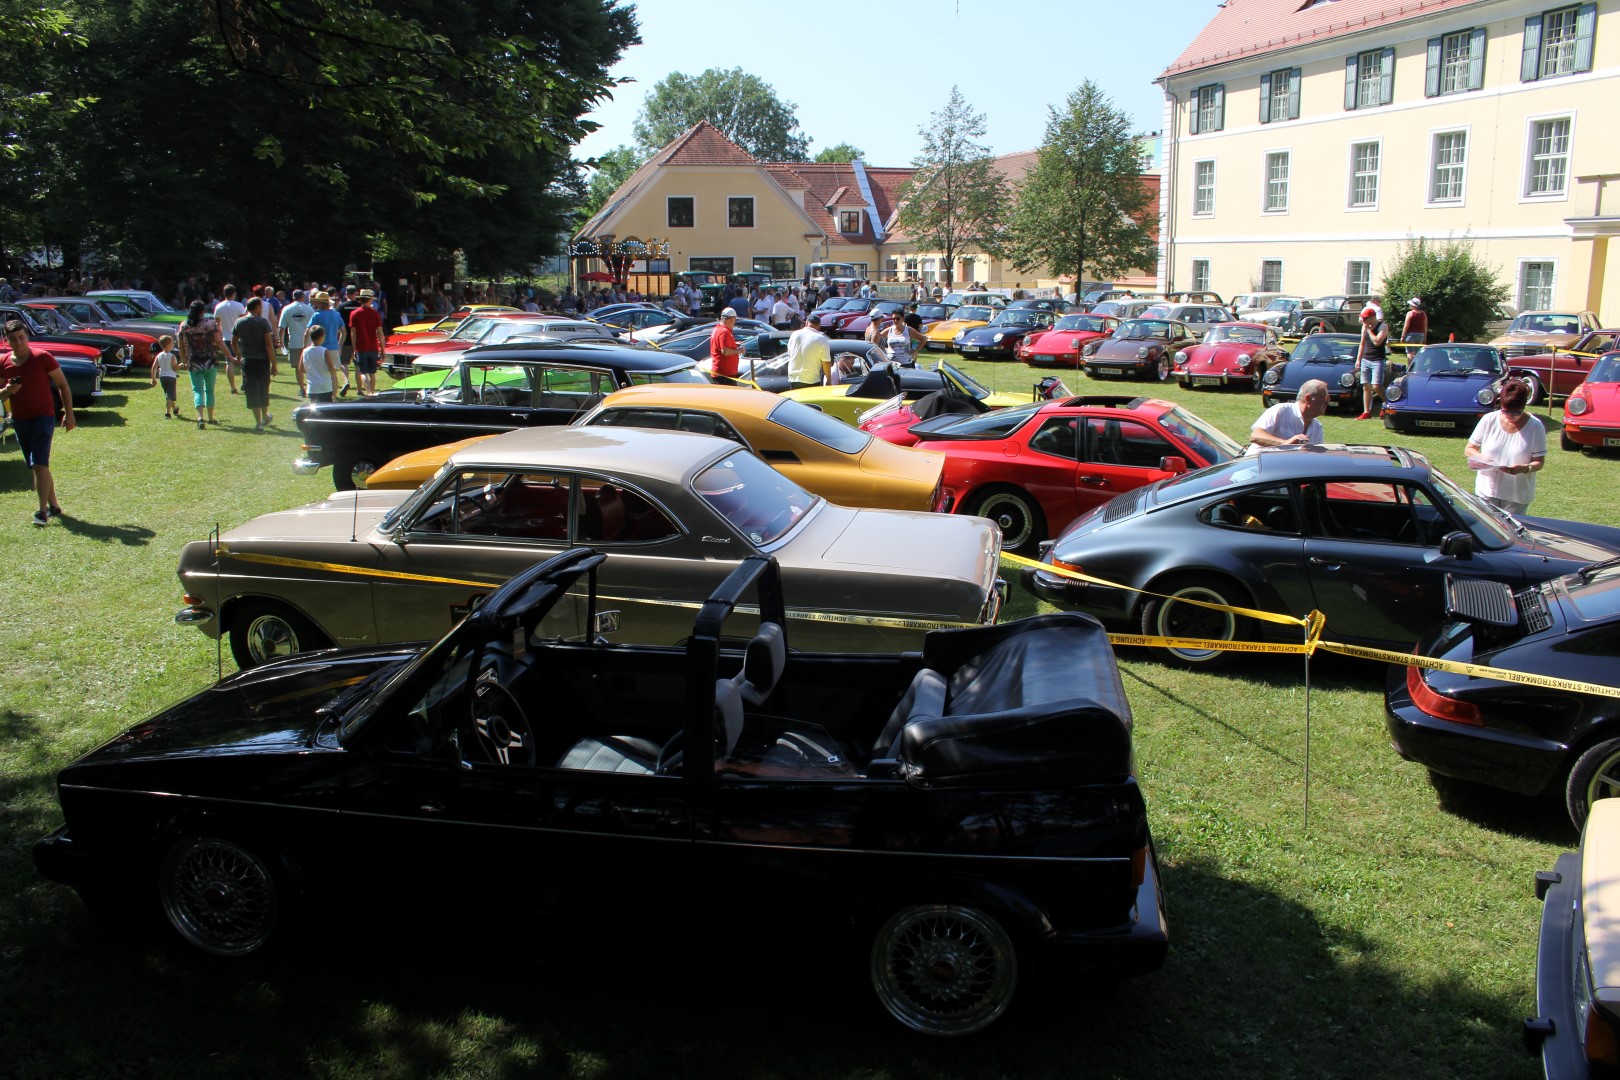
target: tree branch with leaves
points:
(955, 200)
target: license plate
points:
(1112, 370)
(970, 348)
(1611, 441)
(1206, 382)
(1436, 423)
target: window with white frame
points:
(1276, 184)
(1208, 109)
(1456, 63)
(1270, 275)
(1536, 285)
(1364, 159)
(1358, 277)
(1279, 95)
(1558, 42)
(1450, 157)
(930, 269)
(1547, 168)
(1203, 188)
(1200, 275)
(1369, 79)
(1454, 59)
(849, 221)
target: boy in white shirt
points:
(317, 372)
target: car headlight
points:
(1092, 347)
(1394, 392)
(961, 337)
(1272, 376)
(1245, 361)
(1142, 353)
(1486, 397)
(1347, 380)
(1577, 406)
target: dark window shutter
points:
(1350, 82)
(1293, 93)
(1386, 76)
(1530, 62)
(1265, 98)
(1220, 107)
(1476, 59)
(1585, 27)
(1431, 77)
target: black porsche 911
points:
(1329, 357)
(999, 338)
(1364, 534)
(963, 813)
(1521, 738)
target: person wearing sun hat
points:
(1370, 355)
(1415, 331)
(332, 323)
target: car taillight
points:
(1437, 704)
(1061, 565)
(1600, 1041)
(1139, 859)
(192, 601)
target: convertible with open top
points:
(967, 814)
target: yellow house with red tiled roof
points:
(1306, 140)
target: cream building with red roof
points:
(1306, 140)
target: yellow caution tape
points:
(800, 614)
(1314, 623)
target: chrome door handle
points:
(1316, 561)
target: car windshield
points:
(1015, 317)
(1457, 360)
(1134, 329)
(815, 424)
(1283, 305)
(1606, 370)
(1090, 323)
(1210, 442)
(833, 303)
(759, 502)
(972, 314)
(1240, 335)
(934, 311)
(509, 329)
(472, 328)
(1157, 311)
(1321, 348)
(996, 424)
(1545, 323)
(856, 304)
(52, 320)
(888, 307)
(964, 380)
(1595, 592)
(1489, 527)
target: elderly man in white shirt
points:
(1292, 423)
(809, 357)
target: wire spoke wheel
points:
(944, 969)
(219, 896)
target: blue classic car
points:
(1448, 388)
(1329, 357)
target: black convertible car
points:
(1528, 739)
(494, 389)
(1364, 534)
(966, 812)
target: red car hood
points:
(1605, 399)
(1056, 342)
(1220, 357)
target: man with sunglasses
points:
(26, 378)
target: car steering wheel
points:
(670, 755)
(498, 727)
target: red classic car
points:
(1231, 354)
(1032, 469)
(1061, 345)
(1592, 410)
(855, 325)
(1562, 369)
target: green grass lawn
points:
(1333, 911)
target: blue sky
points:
(875, 71)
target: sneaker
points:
(1365, 416)
(201, 423)
(53, 510)
(269, 418)
(40, 519)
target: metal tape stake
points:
(1308, 651)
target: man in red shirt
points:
(365, 328)
(26, 378)
(723, 348)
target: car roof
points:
(714, 398)
(660, 455)
(1342, 460)
(1244, 324)
(617, 357)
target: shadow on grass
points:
(1255, 985)
(127, 535)
(1541, 818)
(102, 414)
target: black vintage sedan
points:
(1139, 349)
(964, 813)
(1527, 739)
(1364, 534)
(493, 389)
(1329, 357)
(999, 338)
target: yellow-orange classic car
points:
(820, 453)
(448, 322)
(942, 335)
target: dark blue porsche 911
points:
(1448, 388)
(1329, 357)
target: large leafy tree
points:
(954, 201)
(1459, 290)
(607, 173)
(841, 153)
(270, 139)
(744, 107)
(1083, 207)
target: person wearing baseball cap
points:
(1415, 331)
(723, 347)
(1370, 355)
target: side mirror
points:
(1173, 463)
(606, 622)
(1457, 545)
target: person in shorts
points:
(332, 324)
(318, 372)
(26, 379)
(163, 371)
(1370, 357)
(365, 330)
